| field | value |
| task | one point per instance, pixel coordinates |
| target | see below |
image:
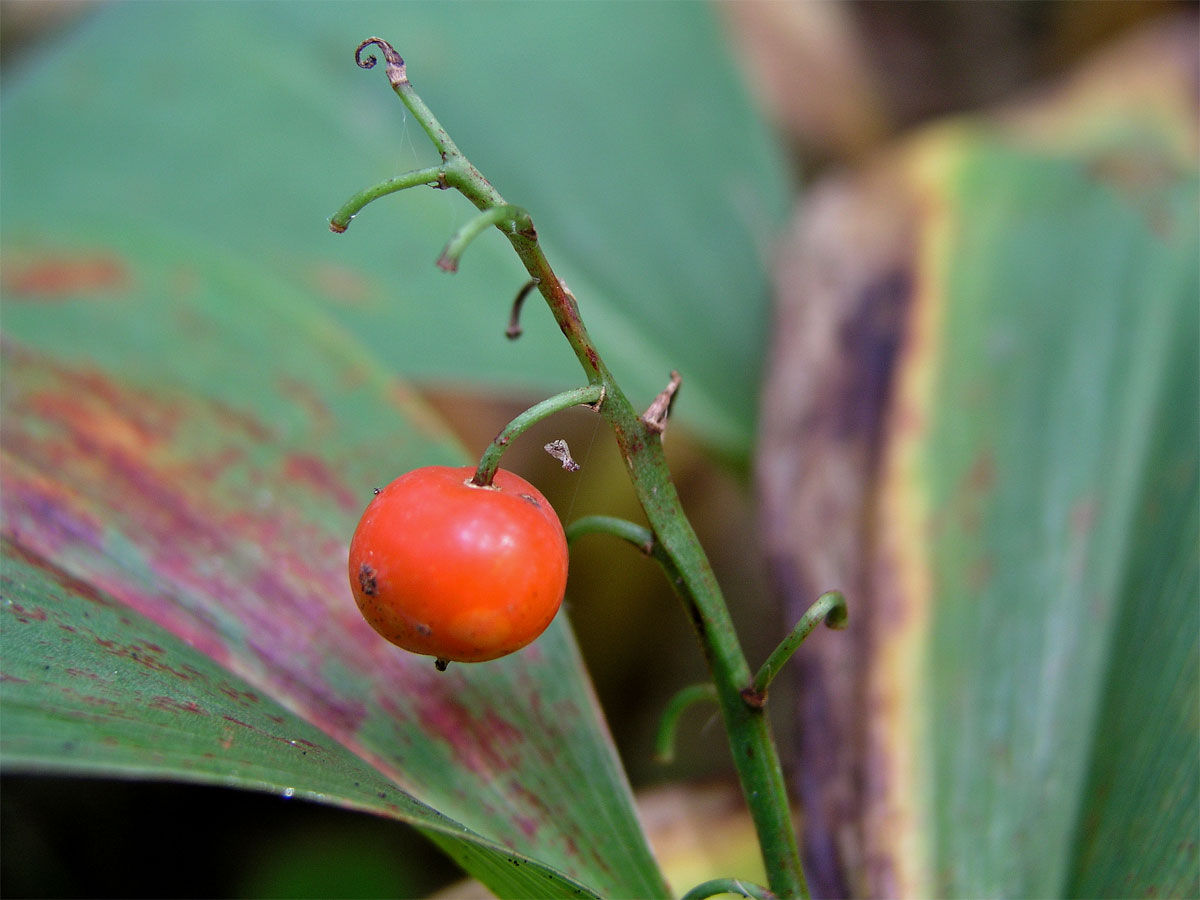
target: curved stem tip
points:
(735, 886)
(395, 63)
(829, 608)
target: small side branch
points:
(639, 536)
(510, 219)
(646, 542)
(830, 607)
(591, 395)
(514, 320)
(433, 176)
(664, 744)
(735, 886)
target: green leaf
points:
(623, 128)
(188, 431)
(988, 342)
(197, 443)
(199, 389)
(1042, 499)
(90, 686)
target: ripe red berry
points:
(442, 567)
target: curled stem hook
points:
(395, 63)
(830, 607)
(664, 742)
(510, 219)
(639, 536)
(735, 886)
(514, 330)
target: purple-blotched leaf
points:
(214, 496)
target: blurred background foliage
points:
(838, 81)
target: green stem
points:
(639, 535)
(754, 754)
(735, 886)
(513, 217)
(434, 176)
(830, 607)
(490, 460)
(664, 743)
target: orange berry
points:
(443, 567)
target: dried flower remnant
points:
(560, 451)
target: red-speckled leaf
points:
(185, 436)
(90, 685)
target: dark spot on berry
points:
(531, 499)
(366, 580)
(424, 630)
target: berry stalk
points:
(591, 395)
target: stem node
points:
(754, 699)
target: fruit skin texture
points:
(441, 567)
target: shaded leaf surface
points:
(188, 430)
(1027, 572)
(621, 127)
(1050, 532)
